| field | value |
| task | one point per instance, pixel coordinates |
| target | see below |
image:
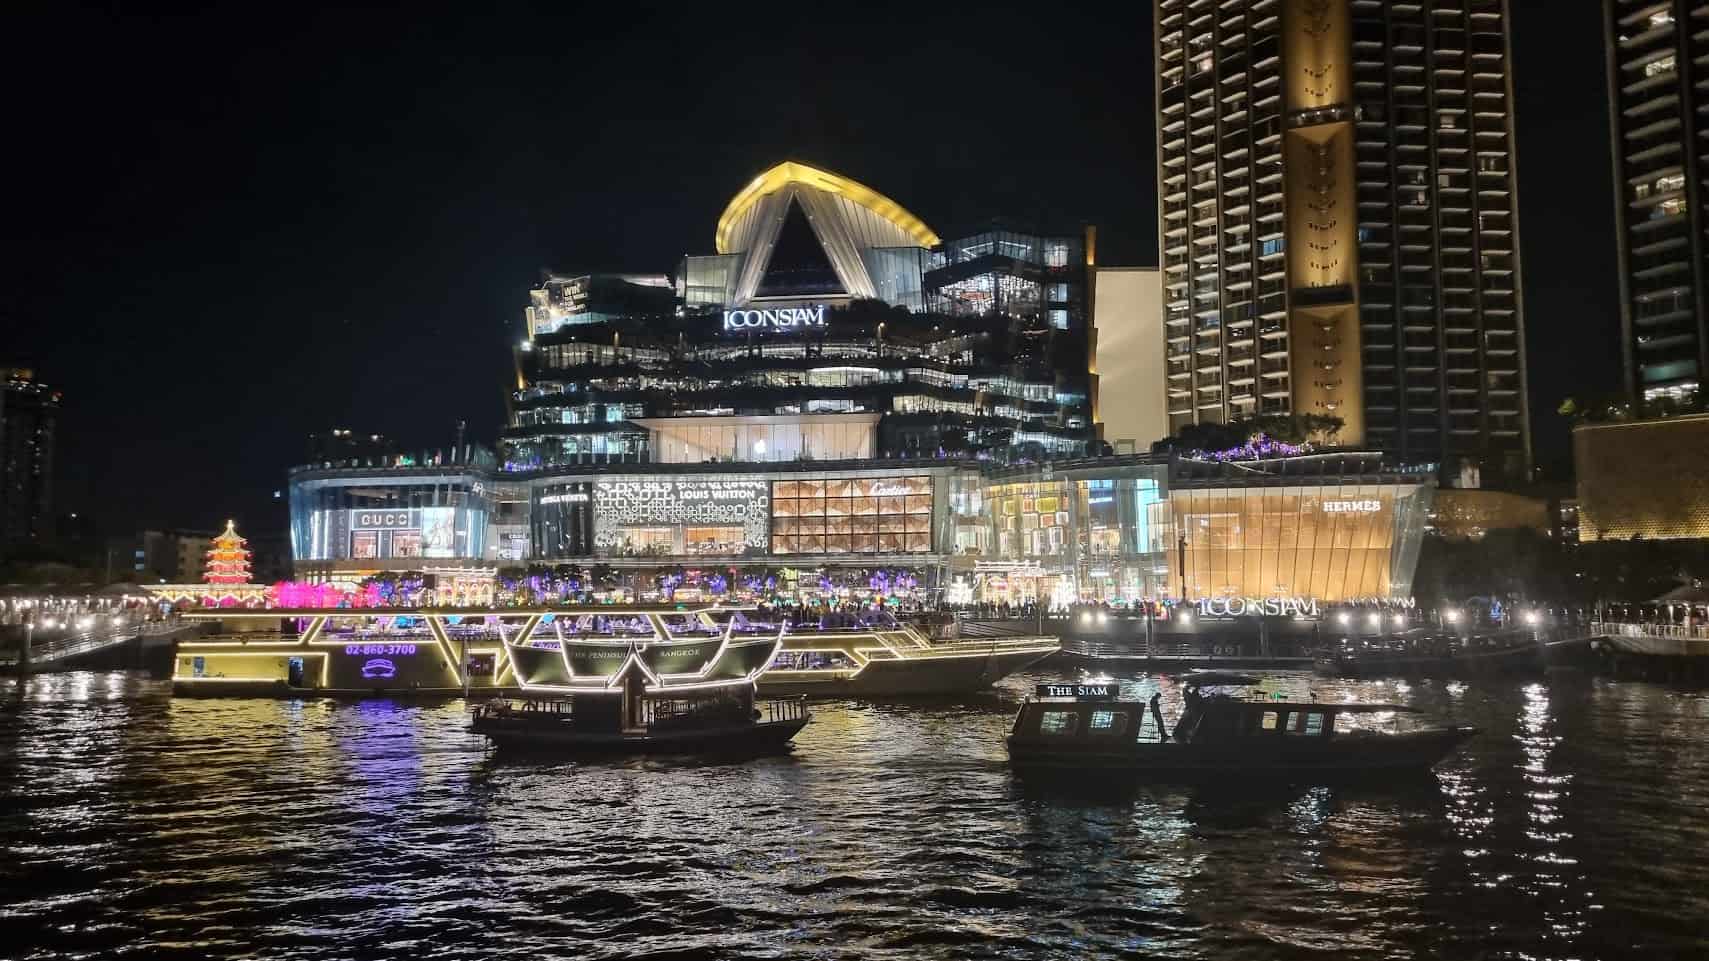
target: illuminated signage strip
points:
(776, 318)
(1258, 606)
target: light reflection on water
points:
(1570, 827)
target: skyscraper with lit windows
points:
(1339, 225)
(1656, 74)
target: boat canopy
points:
(1220, 679)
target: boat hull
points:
(524, 735)
(1299, 759)
(903, 677)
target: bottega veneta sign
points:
(775, 318)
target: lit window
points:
(1108, 722)
(1656, 68)
(1058, 722)
(1660, 19)
(1270, 719)
(1307, 722)
(1203, 64)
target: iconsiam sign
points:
(1258, 606)
(778, 318)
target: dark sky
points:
(230, 230)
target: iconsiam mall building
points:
(840, 402)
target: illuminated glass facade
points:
(406, 515)
(1334, 526)
(823, 299)
(1023, 277)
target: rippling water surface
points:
(1576, 825)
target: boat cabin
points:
(1088, 712)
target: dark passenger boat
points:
(641, 683)
(1427, 654)
(1090, 727)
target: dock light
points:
(1453, 617)
(84, 624)
(1085, 617)
(1531, 617)
(1102, 617)
(1343, 618)
(1376, 620)
(1400, 618)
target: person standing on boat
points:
(1157, 715)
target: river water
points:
(1574, 826)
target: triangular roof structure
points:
(846, 216)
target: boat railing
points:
(252, 637)
(784, 709)
(1698, 632)
(562, 709)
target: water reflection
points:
(1568, 828)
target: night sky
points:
(231, 230)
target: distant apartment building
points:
(29, 414)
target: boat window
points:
(1058, 722)
(1270, 720)
(1307, 722)
(1108, 722)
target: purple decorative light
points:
(1257, 447)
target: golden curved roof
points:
(790, 172)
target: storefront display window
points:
(852, 516)
(713, 540)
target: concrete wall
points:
(1128, 320)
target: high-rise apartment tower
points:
(29, 411)
(1657, 51)
(1339, 222)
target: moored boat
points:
(1090, 727)
(1427, 654)
(873, 655)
